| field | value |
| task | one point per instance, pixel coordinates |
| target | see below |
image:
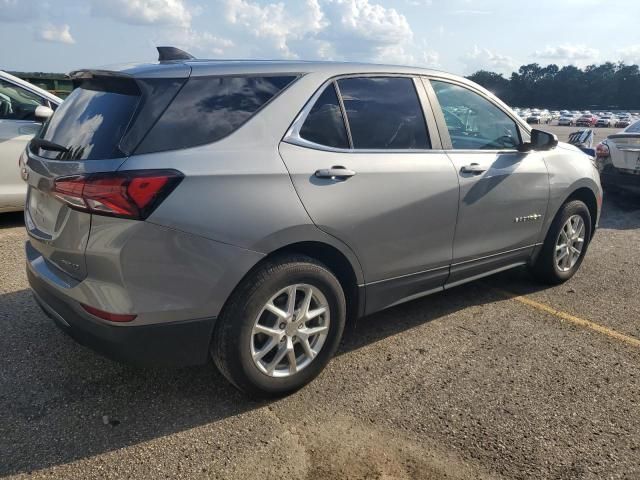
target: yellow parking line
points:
(572, 318)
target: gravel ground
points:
(465, 384)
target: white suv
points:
(23, 108)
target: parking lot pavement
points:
(469, 383)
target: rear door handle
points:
(335, 172)
(474, 168)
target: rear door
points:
(369, 171)
(18, 125)
(503, 192)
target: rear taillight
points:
(129, 194)
(602, 150)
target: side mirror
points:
(42, 113)
(540, 140)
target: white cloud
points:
(361, 30)
(276, 24)
(630, 54)
(485, 59)
(144, 12)
(54, 33)
(568, 54)
(195, 41)
(327, 29)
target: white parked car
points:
(23, 109)
(618, 159)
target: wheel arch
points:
(324, 248)
(588, 197)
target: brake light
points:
(602, 150)
(111, 317)
(129, 194)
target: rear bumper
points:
(611, 177)
(163, 344)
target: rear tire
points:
(288, 355)
(559, 258)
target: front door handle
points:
(474, 168)
(336, 172)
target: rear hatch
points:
(624, 149)
(90, 135)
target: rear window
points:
(92, 120)
(210, 108)
(634, 128)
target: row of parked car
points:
(577, 118)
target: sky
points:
(459, 36)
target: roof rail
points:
(166, 54)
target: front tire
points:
(280, 327)
(565, 246)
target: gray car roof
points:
(239, 66)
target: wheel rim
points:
(290, 330)
(570, 243)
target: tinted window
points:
(210, 108)
(324, 124)
(92, 120)
(16, 103)
(473, 121)
(633, 128)
(384, 113)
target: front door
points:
(503, 192)
(374, 182)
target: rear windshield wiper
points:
(47, 145)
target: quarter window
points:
(17, 103)
(474, 123)
(324, 124)
(384, 113)
(210, 108)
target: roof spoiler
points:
(166, 54)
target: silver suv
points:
(247, 209)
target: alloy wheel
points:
(290, 330)
(570, 243)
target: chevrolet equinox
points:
(244, 210)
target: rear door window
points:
(324, 125)
(210, 108)
(92, 120)
(384, 113)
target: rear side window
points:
(210, 108)
(92, 120)
(384, 113)
(324, 124)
